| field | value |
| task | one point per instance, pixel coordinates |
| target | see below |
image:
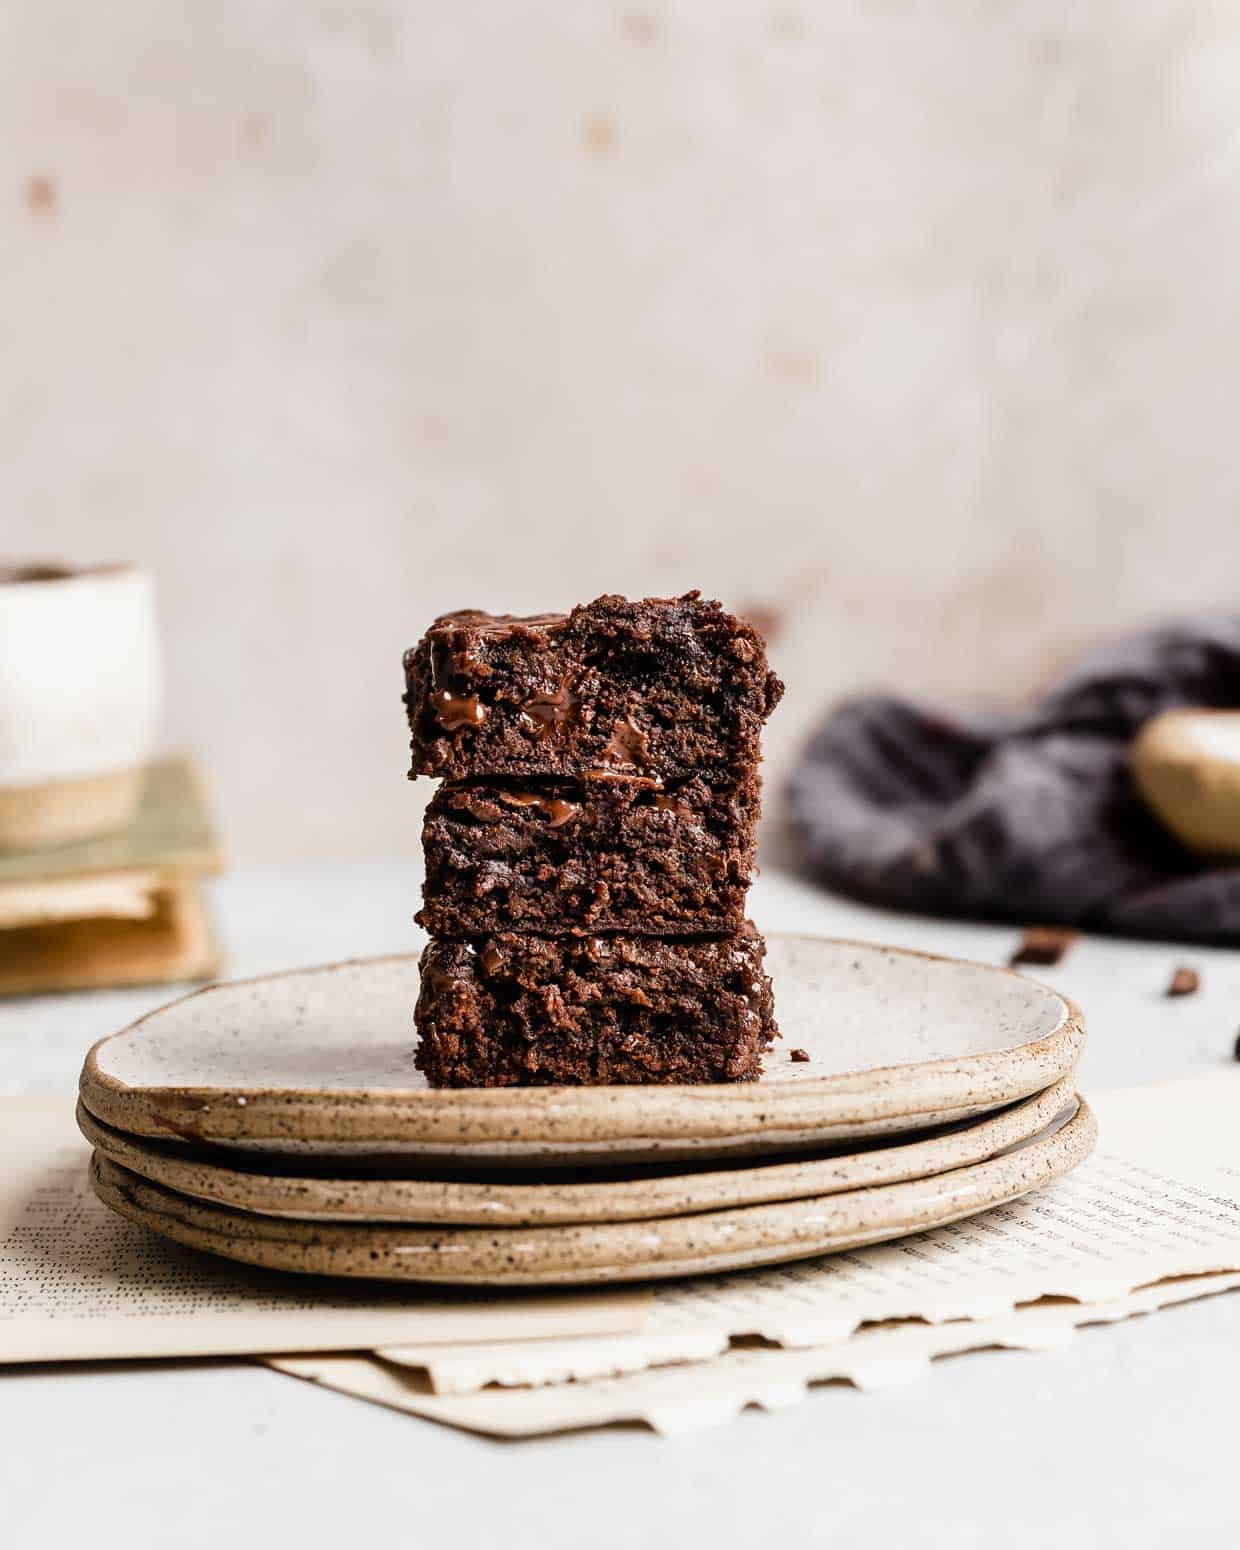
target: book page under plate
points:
(78, 1283)
(1157, 1207)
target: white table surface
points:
(1127, 1438)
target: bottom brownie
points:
(514, 1010)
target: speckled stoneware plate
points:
(274, 1187)
(608, 1251)
(320, 1062)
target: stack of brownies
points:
(589, 853)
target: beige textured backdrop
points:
(916, 326)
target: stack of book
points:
(121, 909)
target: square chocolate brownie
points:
(515, 1010)
(652, 690)
(590, 857)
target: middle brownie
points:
(600, 856)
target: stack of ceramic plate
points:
(280, 1121)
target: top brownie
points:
(647, 690)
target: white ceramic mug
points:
(80, 685)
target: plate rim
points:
(1054, 1155)
(580, 1201)
(564, 1115)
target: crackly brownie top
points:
(644, 689)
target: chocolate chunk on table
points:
(588, 857)
(515, 1010)
(1184, 982)
(653, 689)
(1045, 945)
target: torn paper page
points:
(686, 1397)
(1160, 1197)
(457, 1369)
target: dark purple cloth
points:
(1032, 817)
